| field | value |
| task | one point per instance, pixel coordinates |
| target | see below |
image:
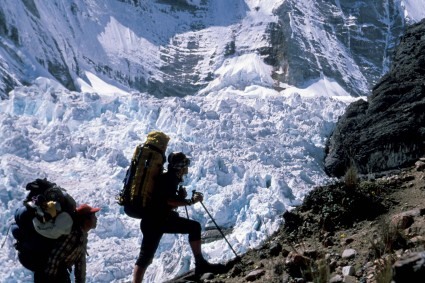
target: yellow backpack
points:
(145, 167)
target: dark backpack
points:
(145, 168)
(50, 191)
(33, 248)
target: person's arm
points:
(175, 202)
(80, 267)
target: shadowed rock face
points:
(387, 131)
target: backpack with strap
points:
(33, 249)
(51, 192)
(145, 167)
(44, 199)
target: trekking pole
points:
(218, 228)
(187, 214)
(7, 234)
(182, 191)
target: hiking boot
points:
(206, 267)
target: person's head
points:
(87, 216)
(178, 163)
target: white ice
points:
(255, 153)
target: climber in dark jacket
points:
(161, 218)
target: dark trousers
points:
(153, 229)
(38, 266)
(61, 277)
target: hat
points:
(178, 160)
(86, 209)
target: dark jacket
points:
(166, 188)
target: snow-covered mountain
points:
(174, 48)
(84, 81)
(167, 48)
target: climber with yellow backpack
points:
(156, 206)
(145, 167)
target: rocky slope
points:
(387, 131)
(369, 230)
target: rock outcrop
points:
(388, 130)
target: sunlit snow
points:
(95, 84)
(414, 10)
(255, 153)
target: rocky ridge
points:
(341, 36)
(367, 231)
(386, 131)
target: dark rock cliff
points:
(388, 130)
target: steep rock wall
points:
(387, 131)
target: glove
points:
(197, 197)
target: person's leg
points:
(62, 276)
(195, 246)
(179, 225)
(39, 277)
(151, 237)
(138, 273)
(40, 266)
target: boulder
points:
(410, 268)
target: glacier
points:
(255, 153)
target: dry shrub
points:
(351, 179)
(310, 264)
(388, 239)
(384, 271)
(321, 271)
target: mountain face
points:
(387, 131)
(173, 48)
(161, 47)
(322, 38)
